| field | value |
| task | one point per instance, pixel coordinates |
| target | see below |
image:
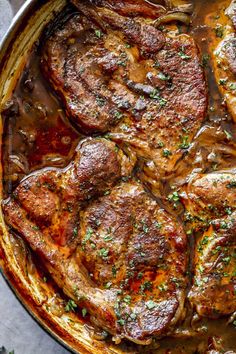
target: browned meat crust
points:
(211, 201)
(122, 75)
(213, 291)
(224, 58)
(115, 256)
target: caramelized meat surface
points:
(211, 201)
(225, 61)
(115, 256)
(118, 73)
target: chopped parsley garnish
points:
(88, 235)
(231, 184)
(184, 56)
(224, 225)
(162, 101)
(228, 135)
(166, 153)
(157, 224)
(174, 197)
(118, 115)
(70, 306)
(162, 287)
(108, 285)
(98, 33)
(145, 228)
(108, 238)
(228, 211)
(226, 260)
(84, 312)
(127, 299)
(184, 142)
(219, 31)
(154, 94)
(222, 82)
(75, 231)
(103, 253)
(35, 227)
(114, 271)
(121, 322)
(151, 305)
(147, 285)
(160, 144)
(133, 316)
(140, 275)
(163, 77)
(232, 86)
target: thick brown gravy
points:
(40, 136)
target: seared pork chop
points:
(122, 257)
(225, 61)
(118, 73)
(211, 201)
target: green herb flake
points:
(70, 306)
(184, 142)
(140, 275)
(103, 253)
(151, 305)
(107, 238)
(163, 77)
(114, 271)
(162, 287)
(226, 260)
(157, 225)
(162, 101)
(174, 197)
(35, 228)
(75, 231)
(133, 316)
(222, 82)
(145, 228)
(118, 115)
(108, 285)
(184, 56)
(166, 153)
(121, 322)
(84, 312)
(231, 184)
(127, 299)
(219, 31)
(88, 235)
(154, 94)
(98, 33)
(232, 86)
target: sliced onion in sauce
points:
(173, 16)
(20, 163)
